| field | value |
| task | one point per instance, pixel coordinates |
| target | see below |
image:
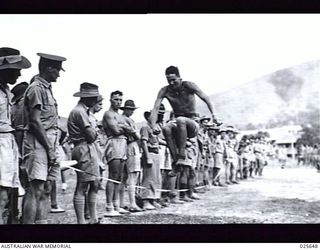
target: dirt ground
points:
(289, 195)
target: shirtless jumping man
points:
(181, 96)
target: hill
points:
(282, 97)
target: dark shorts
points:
(116, 170)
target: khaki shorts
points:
(87, 156)
(209, 162)
(133, 158)
(218, 160)
(36, 159)
(193, 155)
(116, 149)
(9, 162)
(61, 155)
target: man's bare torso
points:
(118, 118)
(182, 101)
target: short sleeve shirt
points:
(17, 116)
(39, 93)
(78, 121)
(94, 124)
(147, 135)
(5, 110)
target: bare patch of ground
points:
(289, 195)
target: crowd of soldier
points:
(142, 160)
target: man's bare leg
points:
(191, 184)
(109, 195)
(113, 189)
(169, 132)
(227, 172)
(121, 194)
(184, 181)
(3, 201)
(123, 186)
(132, 181)
(181, 137)
(119, 164)
(233, 174)
(13, 206)
(31, 201)
(43, 207)
(92, 201)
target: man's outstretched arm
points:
(156, 107)
(204, 98)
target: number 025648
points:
(308, 245)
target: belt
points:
(153, 150)
(128, 142)
(7, 132)
(189, 115)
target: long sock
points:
(78, 202)
(172, 184)
(182, 186)
(116, 204)
(109, 207)
(132, 198)
(86, 204)
(122, 192)
(92, 205)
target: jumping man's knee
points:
(181, 121)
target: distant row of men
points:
(309, 155)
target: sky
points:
(131, 52)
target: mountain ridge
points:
(270, 99)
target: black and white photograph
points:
(160, 119)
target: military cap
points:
(55, 61)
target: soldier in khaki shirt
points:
(83, 134)
(41, 140)
(11, 63)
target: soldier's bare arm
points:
(156, 106)
(203, 97)
(111, 125)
